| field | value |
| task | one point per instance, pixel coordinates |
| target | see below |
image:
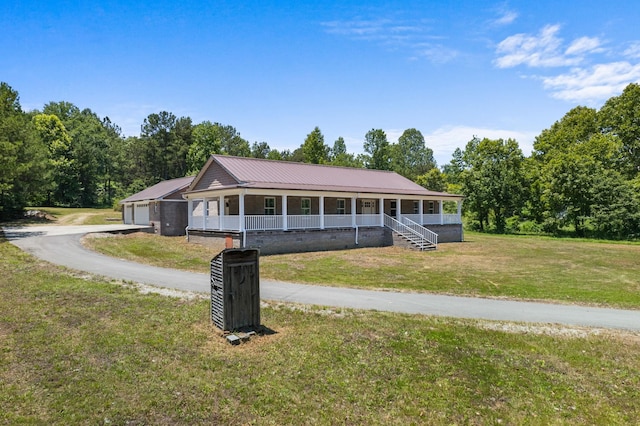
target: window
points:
(305, 205)
(269, 206)
(393, 208)
(432, 207)
(340, 206)
(416, 207)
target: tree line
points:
(583, 176)
(62, 155)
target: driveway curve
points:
(62, 246)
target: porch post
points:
(190, 208)
(221, 212)
(460, 210)
(205, 213)
(381, 211)
(441, 212)
(241, 211)
(421, 211)
(354, 223)
(285, 225)
(321, 210)
(398, 210)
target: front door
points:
(368, 206)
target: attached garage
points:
(160, 206)
(127, 211)
(141, 214)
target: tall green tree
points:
(572, 179)
(433, 180)
(314, 149)
(492, 180)
(620, 117)
(615, 208)
(65, 180)
(338, 155)
(214, 138)
(158, 136)
(410, 157)
(167, 141)
(180, 149)
(260, 150)
(377, 150)
(576, 127)
(22, 156)
(114, 165)
(574, 169)
(93, 143)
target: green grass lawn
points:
(83, 351)
(520, 267)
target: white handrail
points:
(409, 233)
(427, 234)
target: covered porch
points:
(264, 210)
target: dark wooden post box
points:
(235, 289)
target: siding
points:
(214, 177)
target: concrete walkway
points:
(61, 245)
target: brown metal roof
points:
(270, 174)
(161, 190)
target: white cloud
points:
(506, 17)
(589, 84)
(594, 84)
(584, 45)
(633, 51)
(436, 53)
(374, 29)
(410, 35)
(444, 140)
(544, 49)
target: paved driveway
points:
(61, 245)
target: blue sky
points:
(275, 70)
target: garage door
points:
(141, 214)
(128, 214)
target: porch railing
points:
(434, 219)
(262, 222)
(368, 219)
(338, 221)
(276, 222)
(303, 221)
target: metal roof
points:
(271, 174)
(160, 190)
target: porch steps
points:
(410, 241)
(414, 235)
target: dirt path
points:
(74, 219)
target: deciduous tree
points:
(620, 117)
(492, 180)
(376, 147)
(410, 157)
(22, 157)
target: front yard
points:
(519, 267)
(78, 350)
